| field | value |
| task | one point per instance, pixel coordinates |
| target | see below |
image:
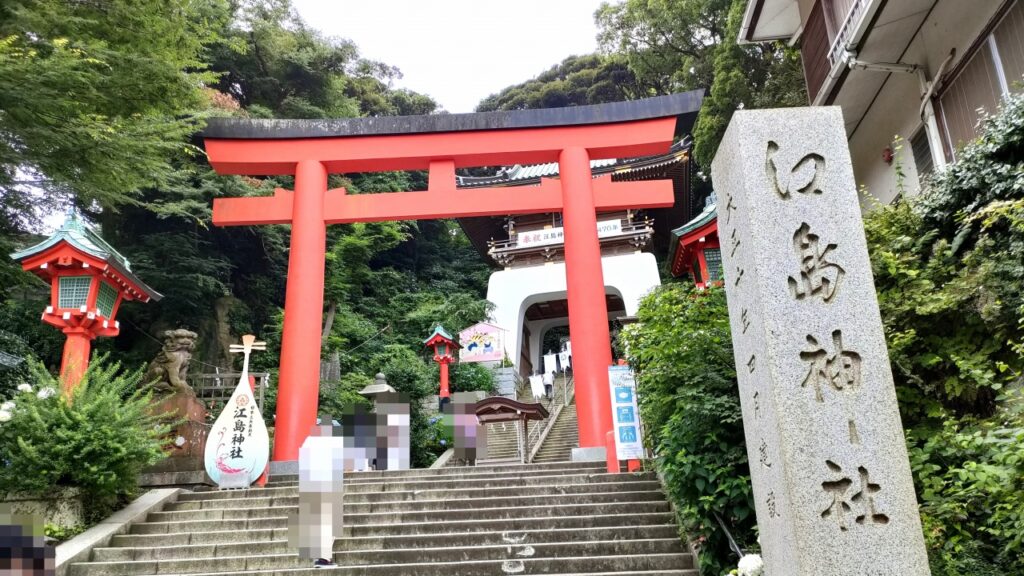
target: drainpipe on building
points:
(927, 111)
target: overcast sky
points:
(460, 51)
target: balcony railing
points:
(837, 53)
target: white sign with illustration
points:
(625, 415)
(481, 342)
(238, 448)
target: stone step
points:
(391, 474)
(596, 476)
(146, 548)
(666, 563)
(525, 549)
(236, 533)
(539, 491)
(411, 506)
(502, 470)
(552, 510)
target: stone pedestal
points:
(827, 454)
(193, 431)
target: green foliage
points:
(335, 397)
(98, 441)
(62, 533)
(970, 481)
(98, 97)
(949, 266)
(471, 377)
(681, 350)
(577, 80)
(753, 75)
(671, 46)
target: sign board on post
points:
(238, 447)
(481, 342)
(625, 415)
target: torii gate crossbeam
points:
(312, 149)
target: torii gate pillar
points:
(299, 381)
(588, 307)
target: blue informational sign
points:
(625, 415)
(623, 394)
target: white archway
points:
(630, 276)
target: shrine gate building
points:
(571, 137)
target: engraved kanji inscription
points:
(735, 240)
(752, 363)
(739, 275)
(861, 504)
(730, 207)
(744, 320)
(818, 275)
(773, 509)
(802, 178)
(757, 404)
(763, 454)
(839, 369)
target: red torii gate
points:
(311, 149)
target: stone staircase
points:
(564, 436)
(562, 518)
(503, 441)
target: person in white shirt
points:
(549, 385)
(321, 465)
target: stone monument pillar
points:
(828, 460)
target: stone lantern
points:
(89, 281)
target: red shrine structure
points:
(444, 354)
(88, 282)
(309, 150)
(695, 249)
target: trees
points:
(577, 80)
(678, 45)
(97, 98)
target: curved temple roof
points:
(684, 106)
(83, 238)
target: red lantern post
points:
(88, 282)
(444, 348)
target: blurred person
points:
(321, 469)
(23, 548)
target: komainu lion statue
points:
(167, 372)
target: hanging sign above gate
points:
(547, 236)
(238, 447)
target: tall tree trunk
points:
(332, 309)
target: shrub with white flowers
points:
(99, 440)
(751, 565)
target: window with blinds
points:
(74, 291)
(995, 70)
(922, 154)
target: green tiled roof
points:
(83, 238)
(439, 331)
(706, 216)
